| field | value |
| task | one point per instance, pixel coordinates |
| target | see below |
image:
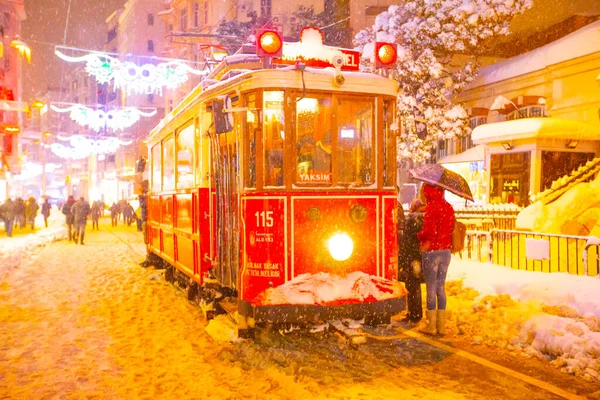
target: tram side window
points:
(313, 139)
(156, 173)
(355, 141)
(250, 142)
(168, 164)
(185, 157)
(274, 135)
(389, 130)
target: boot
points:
(82, 235)
(430, 328)
(441, 322)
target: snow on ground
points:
(14, 250)
(548, 316)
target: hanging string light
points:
(82, 147)
(119, 119)
(141, 79)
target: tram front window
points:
(345, 130)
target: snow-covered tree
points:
(438, 45)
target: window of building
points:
(85, 81)
(527, 112)
(509, 178)
(170, 105)
(112, 34)
(150, 19)
(151, 46)
(196, 15)
(151, 98)
(75, 84)
(185, 157)
(265, 7)
(476, 121)
(183, 20)
(442, 152)
(205, 12)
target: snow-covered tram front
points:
(293, 206)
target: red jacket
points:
(438, 221)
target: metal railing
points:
(484, 220)
(570, 254)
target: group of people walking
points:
(125, 209)
(21, 213)
(425, 251)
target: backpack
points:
(459, 232)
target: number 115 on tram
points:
(277, 169)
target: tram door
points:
(225, 149)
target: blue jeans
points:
(435, 268)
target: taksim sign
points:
(314, 53)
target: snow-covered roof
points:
(577, 44)
(473, 154)
(166, 12)
(550, 128)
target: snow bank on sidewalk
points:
(556, 289)
(555, 317)
(13, 250)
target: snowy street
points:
(89, 322)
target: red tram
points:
(266, 172)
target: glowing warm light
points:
(22, 47)
(386, 54)
(38, 104)
(307, 105)
(144, 79)
(270, 42)
(340, 246)
(119, 119)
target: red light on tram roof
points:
(269, 43)
(386, 54)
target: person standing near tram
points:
(81, 210)
(436, 245)
(66, 210)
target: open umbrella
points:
(436, 175)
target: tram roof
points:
(247, 77)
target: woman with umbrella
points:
(436, 238)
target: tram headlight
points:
(340, 246)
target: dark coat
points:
(80, 210)
(46, 209)
(31, 209)
(411, 246)
(438, 221)
(66, 209)
(8, 210)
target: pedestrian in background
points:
(96, 213)
(409, 261)
(46, 206)
(8, 214)
(31, 210)
(69, 218)
(128, 213)
(81, 210)
(20, 208)
(114, 214)
(436, 245)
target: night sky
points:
(45, 27)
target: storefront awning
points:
(533, 128)
(471, 155)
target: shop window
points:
(185, 157)
(274, 135)
(509, 178)
(168, 180)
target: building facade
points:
(12, 13)
(536, 117)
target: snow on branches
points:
(438, 44)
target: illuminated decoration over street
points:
(31, 170)
(22, 47)
(82, 147)
(141, 79)
(311, 50)
(118, 119)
